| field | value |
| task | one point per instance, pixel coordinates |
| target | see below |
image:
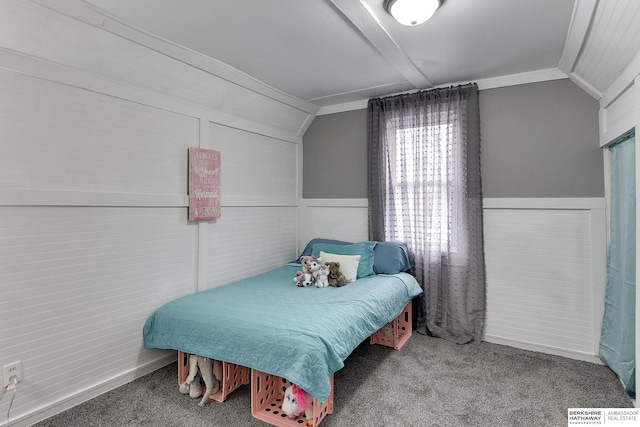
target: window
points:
(423, 185)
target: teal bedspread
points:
(267, 323)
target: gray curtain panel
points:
(425, 189)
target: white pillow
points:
(348, 264)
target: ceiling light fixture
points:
(411, 12)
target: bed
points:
(303, 334)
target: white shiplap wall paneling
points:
(340, 219)
(540, 288)
(76, 286)
(65, 138)
(254, 167)
(612, 42)
(249, 240)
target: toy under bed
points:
(267, 323)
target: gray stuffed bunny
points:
(204, 367)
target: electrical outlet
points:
(10, 370)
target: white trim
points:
(583, 11)
(301, 212)
(68, 402)
(202, 267)
(584, 85)
(599, 245)
(363, 18)
(338, 203)
(44, 197)
(246, 201)
(579, 203)
(548, 74)
(94, 16)
(606, 158)
(545, 75)
(305, 125)
(341, 108)
(543, 349)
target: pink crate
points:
(395, 333)
(233, 376)
(267, 392)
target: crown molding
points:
(483, 84)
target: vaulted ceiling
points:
(338, 51)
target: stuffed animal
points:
(296, 401)
(192, 384)
(194, 387)
(308, 280)
(309, 274)
(303, 279)
(336, 278)
(305, 260)
(322, 276)
(314, 266)
(210, 371)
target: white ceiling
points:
(336, 51)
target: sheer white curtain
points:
(425, 189)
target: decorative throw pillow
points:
(348, 264)
(309, 248)
(364, 249)
(391, 258)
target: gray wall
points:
(335, 157)
(538, 140)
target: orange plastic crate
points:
(233, 376)
(267, 392)
(395, 333)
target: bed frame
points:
(267, 390)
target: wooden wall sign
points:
(204, 184)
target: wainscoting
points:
(546, 274)
(545, 266)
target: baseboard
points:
(89, 393)
(570, 354)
